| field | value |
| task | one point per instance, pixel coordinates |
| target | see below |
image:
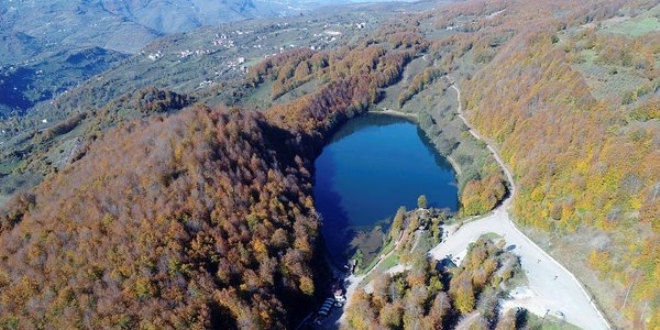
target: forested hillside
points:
(195, 221)
(200, 220)
(367, 69)
(571, 96)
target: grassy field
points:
(392, 93)
(607, 81)
(491, 236)
(390, 261)
(636, 26)
(550, 322)
(389, 247)
(589, 55)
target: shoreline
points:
(454, 164)
(546, 275)
(395, 113)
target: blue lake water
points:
(373, 165)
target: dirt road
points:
(552, 288)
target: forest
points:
(435, 295)
(584, 146)
(204, 219)
(184, 222)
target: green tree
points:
(464, 297)
(359, 257)
(397, 223)
(436, 230)
(421, 202)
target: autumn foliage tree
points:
(584, 156)
(417, 298)
(181, 222)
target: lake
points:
(373, 165)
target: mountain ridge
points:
(127, 25)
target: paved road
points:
(552, 288)
(550, 285)
(353, 283)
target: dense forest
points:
(229, 191)
(194, 221)
(573, 105)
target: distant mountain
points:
(184, 15)
(37, 37)
(22, 86)
(15, 42)
(128, 25)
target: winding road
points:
(552, 288)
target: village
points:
(234, 51)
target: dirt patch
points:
(572, 251)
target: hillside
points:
(151, 201)
(127, 25)
(205, 218)
(574, 112)
(23, 87)
(50, 48)
(202, 64)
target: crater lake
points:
(373, 165)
